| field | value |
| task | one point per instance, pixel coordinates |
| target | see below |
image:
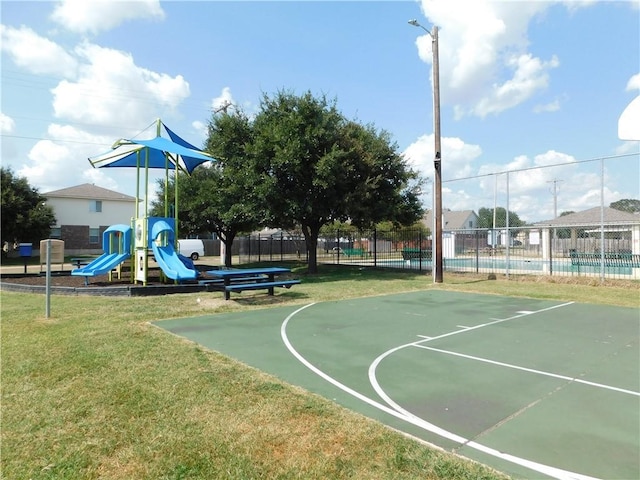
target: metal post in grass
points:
(437, 162)
(47, 302)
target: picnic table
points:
(81, 261)
(239, 279)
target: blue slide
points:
(116, 243)
(101, 265)
(166, 256)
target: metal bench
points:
(415, 254)
(611, 259)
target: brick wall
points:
(76, 237)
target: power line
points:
(4, 135)
(539, 167)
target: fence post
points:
(477, 250)
(552, 235)
(375, 247)
(419, 251)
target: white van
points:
(192, 248)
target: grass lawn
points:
(95, 391)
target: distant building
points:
(85, 211)
(451, 220)
(457, 230)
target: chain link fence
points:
(562, 250)
(597, 242)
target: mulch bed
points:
(63, 280)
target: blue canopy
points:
(158, 152)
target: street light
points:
(437, 181)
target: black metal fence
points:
(610, 251)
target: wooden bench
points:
(611, 259)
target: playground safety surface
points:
(63, 283)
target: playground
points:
(537, 389)
(154, 238)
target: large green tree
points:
(316, 167)
(627, 205)
(485, 218)
(25, 215)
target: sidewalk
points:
(35, 269)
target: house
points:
(584, 231)
(457, 228)
(85, 211)
(593, 217)
(451, 220)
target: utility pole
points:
(555, 196)
(437, 161)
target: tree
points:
(316, 168)
(485, 218)
(220, 198)
(627, 205)
(25, 215)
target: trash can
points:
(25, 249)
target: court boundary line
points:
(419, 422)
(532, 370)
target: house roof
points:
(90, 191)
(593, 216)
(451, 219)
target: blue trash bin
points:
(25, 249)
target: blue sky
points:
(522, 84)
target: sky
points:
(522, 84)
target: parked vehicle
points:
(192, 248)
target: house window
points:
(470, 223)
(56, 232)
(95, 206)
(94, 236)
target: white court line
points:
(418, 422)
(499, 320)
(531, 370)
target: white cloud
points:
(573, 5)
(112, 90)
(633, 83)
(96, 16)
(530, 76)
(201, 128)
(457, 156)
(104, 91)
(548, 107)
(36, 54)
(485, 65)
(628, 147)
(7, 124)
(50, 165)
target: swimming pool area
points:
(513, 265)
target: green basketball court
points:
(534, 388)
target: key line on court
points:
(495, 322)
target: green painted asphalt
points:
(533, 388)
